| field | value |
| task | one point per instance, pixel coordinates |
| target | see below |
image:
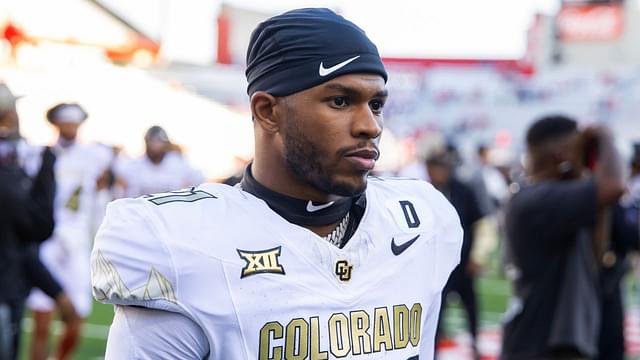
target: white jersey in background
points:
(144, 177)
(66, 253)
(225, 277)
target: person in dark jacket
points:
(624, 224)
(555, 236)
(26, 217)
(440, 167)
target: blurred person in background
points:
(41, 278)
(556, 238)
(27, 218)
(624, 220)
(624, 236)
(419, 148)
(108, 185)
(34, 160)
(634, 182)
(490, 184)
(162, 168)
(440, 166)
(79, 170)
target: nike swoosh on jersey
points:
(326, 71)
(399, 249)
(314, 208)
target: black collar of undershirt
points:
(296, 210)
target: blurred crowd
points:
(53, 199)
(564, 222)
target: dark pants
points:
(611, 341)
(462, 284)
(564, 353)
(10, 318)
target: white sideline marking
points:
(93, 331)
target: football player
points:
(160, 169)
(307, 258)
(78, 170)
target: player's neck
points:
(155, 159)
(299, 211)
(335, 221)
(281, 180)
(65, 143)
(551, 174)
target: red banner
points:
(591, 22)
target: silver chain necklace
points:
(335, 237)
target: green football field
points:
(94, 337)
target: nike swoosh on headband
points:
(322, 71)
(314, 208)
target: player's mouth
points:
(363, 159)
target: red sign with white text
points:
(590, 22)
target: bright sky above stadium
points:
(435, 28)
(408, 28)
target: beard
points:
(311, 164)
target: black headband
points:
(303, 48)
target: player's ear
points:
(264, 109)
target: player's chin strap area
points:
(298, 211)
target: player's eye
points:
(339, 101)
(376, 106)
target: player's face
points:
(561, 158)
(156, 149)
(68, 130)
(331, 132)
(439, 174)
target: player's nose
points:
(366, 124)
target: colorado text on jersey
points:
(356, 333)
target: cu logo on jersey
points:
(343, 270)
(261, 262)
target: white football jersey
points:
(263, 288)
(77, 169)
(144, 177)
